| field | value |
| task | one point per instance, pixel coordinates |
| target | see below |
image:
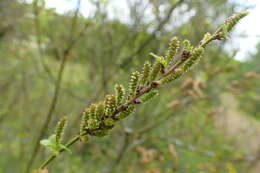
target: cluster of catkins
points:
(99, 118)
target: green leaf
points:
(45, 142)
(52, 146)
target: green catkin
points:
(196, 54)
(89, 119)
(93, 122)
(101, 133)
(120, 93)
(133, 83)
(60, 130)
(149, 96)
(145, 73)
(187, 45)
(84, 120)
(162, 61)
(93, 108)
(130, 109)
(110, 104)
(172, 50)
(233, 20)
(109, 122)
(177, 74)
(100, 110)
(207, 37)
(155, 71)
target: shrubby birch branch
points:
(98, 119)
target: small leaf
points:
(52, 146)
(45, 142)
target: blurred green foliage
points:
(173, 133)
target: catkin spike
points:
(162, 61)
(172, 50)
(177, 74)
(109, 121)
(134, 83)
(187, 45)
(101, 133)
(92, 109)
(155, 71)
(110, 104)
(84, 120)
(93, 121)
(149, 96)
(196, 54)
(130, 109)
(60, 129)
(207, 37)
(100, 110)
(145, 73)
(120, 93)
(233, 20)
(159, 59)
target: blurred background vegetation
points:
(54, 64)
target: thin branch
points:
(39, 38)
(152, 35)
(120, 153)
(54, 100)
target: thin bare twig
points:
(54, 100)
(125, 144)
(152, 35)
(39, 38)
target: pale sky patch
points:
(250, 26)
